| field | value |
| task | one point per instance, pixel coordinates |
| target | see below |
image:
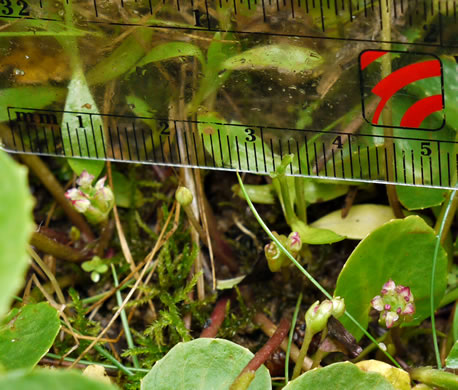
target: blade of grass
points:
(291, 334)
(302, 269)
(448, 206)
(125, 323)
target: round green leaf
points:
(339, 376)
(50, 380)
(203, 364)
(27, 334)
(284, 58)
(360, 221)
(418, 198)
(16, 225)
(401, 250)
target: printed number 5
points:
(426, 149)
(251, 136)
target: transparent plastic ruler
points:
(359, 90)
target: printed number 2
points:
(251, 136)
(8, 9)
(164, 128)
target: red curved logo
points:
(417, 85)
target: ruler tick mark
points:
(128, 143)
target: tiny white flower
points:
(85, 180)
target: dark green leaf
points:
(50, 380)
(27, 334)
(339, 376)
(16, 226)
(401, 250)
(203, 364)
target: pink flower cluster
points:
(395, 304)
(95, 202)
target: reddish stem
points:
(270, 347)
(216, 318)
(242, 382)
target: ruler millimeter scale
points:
(358, 90)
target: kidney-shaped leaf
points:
(402, 250)
(339, 376)
(27, 334)
(360, 221)
(399, 378)
(50, 380)
(16, 225)
(203, 364)
(285, 58)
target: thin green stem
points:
(301, 205)
(290, 215)
(130, 370)
(112, 359)
(430, 376)
(446, 220)
(302, 269)
(290, 338)
(125, 322)
(387, 113)
(448, 207)
(302, 353)
(370, 348)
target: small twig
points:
(122, 238)
(216, 318)
(40, 169)
(268, 327)
(349, 199)
(60, 251)
(248, 373)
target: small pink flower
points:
(377, 303)
(100, 183)
(85, 180)
(388, 286)
(78, 199)
(390, 319)
(294, 243)
(405, 293)
(409, 309)
(395, 304)
(95, 202)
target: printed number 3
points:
(8, 9)
(251, 136)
